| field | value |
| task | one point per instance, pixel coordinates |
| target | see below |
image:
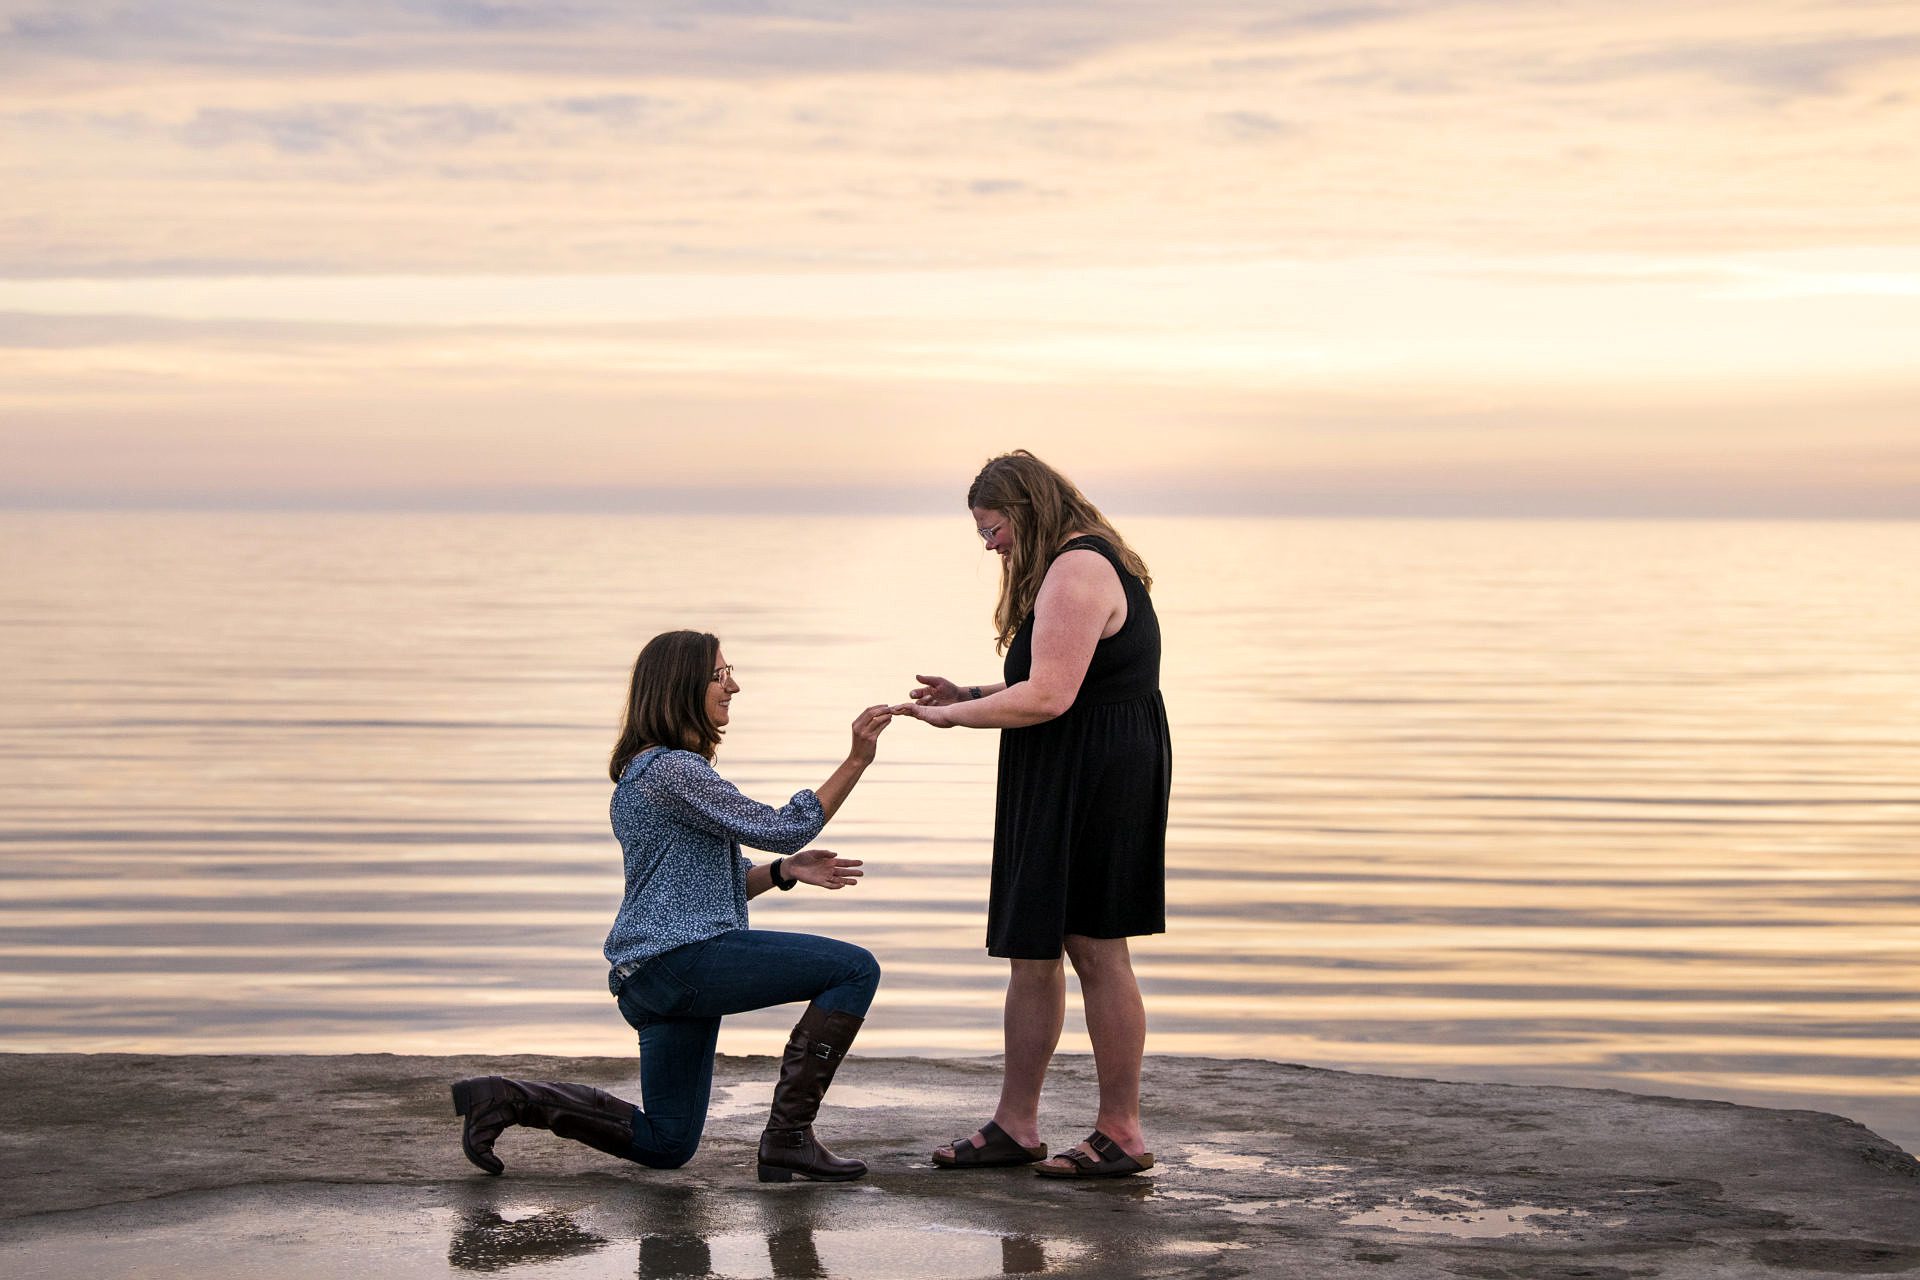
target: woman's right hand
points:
(867, 728)
(823, 867)
(935, 691)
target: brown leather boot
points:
(577, 1111)
(788, 1148)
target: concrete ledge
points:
(288, 1165)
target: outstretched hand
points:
(935, 714)
(935, 691)
(867, 728)
(823, 867)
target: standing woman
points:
(1080, 823)
(681, 952)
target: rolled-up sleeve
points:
(687, 786)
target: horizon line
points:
(750, 502)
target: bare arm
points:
(759, 879)
(938, 691)
(822, 867)
(867, 727)
(1079, 597)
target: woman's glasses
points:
(986, 534)
(720, 674)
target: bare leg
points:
(1036, 1009)
(1117, 1025)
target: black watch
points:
(773, 869)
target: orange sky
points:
(1459, 258)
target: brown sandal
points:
(1109, 1160)
(999, 1151)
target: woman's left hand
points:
(823, 867)
(938, 717)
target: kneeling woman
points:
(682, 953)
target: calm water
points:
(1617, 804)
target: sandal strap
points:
(991, 1132)
(1099, 1156)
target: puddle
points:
(1308, 1170)
(857, 1255)
(309, 1232)
(739, 1099)
(752, 1097)
(1458, 1214)
(1224, 1204)
(1227, 1160)
(1220, 1158)
(933, 1252)
(1199, 1248)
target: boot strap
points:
(795, 1138)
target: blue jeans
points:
(676, 1000)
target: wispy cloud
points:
(1250, 126)
(1778, 69)
(595, 136)
(312, 130)
(672, 38)
(894, 211)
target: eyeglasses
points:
(721, 674)
(986, 534)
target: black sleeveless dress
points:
(1080, 822)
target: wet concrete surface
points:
(125, 1165)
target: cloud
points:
(1251, 126)
(29, 330)
(1780, 69)
(613, 108)
(1344, 18)
(1055, 215)
(182, 267)
(500, 441)
(997, 187)
(1765, 46)
(605, 37)
(312, 130)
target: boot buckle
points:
(821, 1050)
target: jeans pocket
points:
(657, 988)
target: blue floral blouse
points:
(680, 827)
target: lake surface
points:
(1619, 804)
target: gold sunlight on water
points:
(1617, 804)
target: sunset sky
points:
(1446, 258)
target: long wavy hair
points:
(1045, 510)
(667, 701)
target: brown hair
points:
(667, 701)
(1045, 510)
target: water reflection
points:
(672, 1257)
(794, 1253)
(490, 1242)
(1600, 804)
(487, 1241)
(1022, 1256)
